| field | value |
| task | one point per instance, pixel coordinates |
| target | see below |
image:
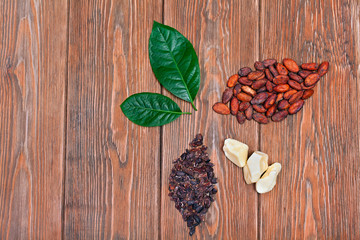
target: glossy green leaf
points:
(150, 109)
(174, 62)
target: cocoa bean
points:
(259, 98)
(258, 84)
(296, 97)
(281, 88)
(312, 79)
(240, 117)
(306, 87)
(279, 116)
(269, 86)
(234, 106)
(308, 93)
(296, 77)
(248, 90)
(283, 104)
(245, 81)
(273, 71)
(294, 84)
(244, 97)
(268, 74)
(259, 108)
(271, 111)
(249, 113)
(243, 106)
(323, 68)
(237, 89)
(310, 66)
(232, 80)
(281, 69)
(280, 79)
(227, 95)
(263, 89)
(260, 118)
(256, 75)
(259, 66)
(243, 72)
(296, 107)
(290, 65)
(221, 108)
(279, 97)
(289, 93)
(269, 62)
(304, 73)
(270, 101)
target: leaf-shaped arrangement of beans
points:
(272, 91)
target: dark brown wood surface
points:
(73, 167)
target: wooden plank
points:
(32, 107)
(317, 194)
(112, 165)
(225, 37)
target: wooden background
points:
(73, 167)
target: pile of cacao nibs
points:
(273, 91)
(191, 183)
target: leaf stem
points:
(193, 106)
(187, 113)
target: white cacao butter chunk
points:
(256, 165)
(236, 151)
(268, 180)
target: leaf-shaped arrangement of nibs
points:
(192, 183)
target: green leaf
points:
(174, 62)
(150, 109)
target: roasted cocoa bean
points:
(296, 107)
(281, 69)
(260, 118)
(221, 108)
(281, 88)
(268, 74)
(279, 116)
(243, 106)
(307, 93)
(269, 62)
(237, 89)
(270, 101)
(249, 112)
(232, 80)
(291, 65)
(269, 86)
(243, 72)
(248, 90)
(244, 97)
(273, 71)
(263, 89)
(279, 97)
(280, 79)
(283, 104)
(312, 79)
(259, 66)
(306, 87)
(310, 66)
(296, 77)
(227, 95)
(245, 81)
(259, 108)
(259, 98)
(271, 111)
(304, 73)
(258, 84)
(240, 117)
(256, 75)
(294, 84)
(234, 106)
(323, 68)
(296, 97)
(289, 93)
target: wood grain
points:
(317, 194)
(32, 107)
(112, 165)
(225, 37)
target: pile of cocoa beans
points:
(273, 91)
